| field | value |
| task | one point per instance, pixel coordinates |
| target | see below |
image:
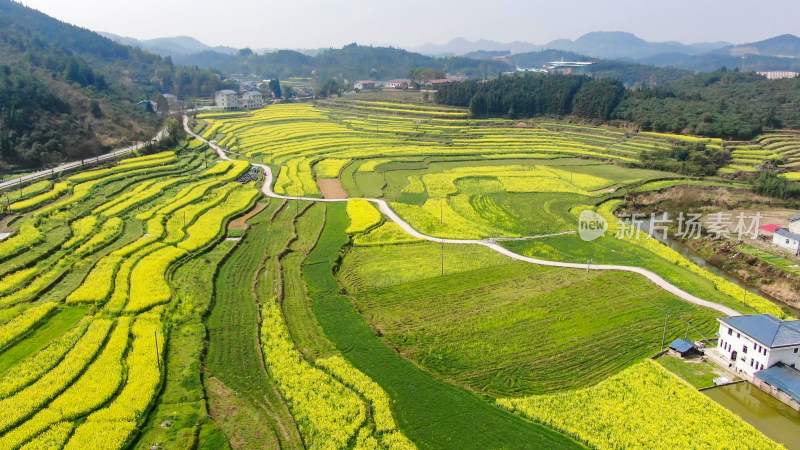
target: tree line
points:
(534, 95)
(726, 104)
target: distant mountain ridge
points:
(624, 45)
(169, 46)
(777, 53)
(783, 46)
(598, 44)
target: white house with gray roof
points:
(226, 99)
(787, 240)
(758, 342)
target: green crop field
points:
(163, 301)
(516, 329)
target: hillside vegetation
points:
(67, 92)
(725, 104)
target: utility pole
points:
(664, 334)
(588, 264)
(441, 221)
(158, 356)
(688, 324)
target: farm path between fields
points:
(388, 212)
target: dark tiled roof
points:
(787, 233)
(783, 377)
(767, 329)
(682, 345)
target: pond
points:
(769, 415)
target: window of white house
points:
(744, 349)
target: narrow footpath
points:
(388, 212)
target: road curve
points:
(71, 165)
(388, 212)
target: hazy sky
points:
(407, 23)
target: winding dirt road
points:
(388, 212)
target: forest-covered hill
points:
(67, 92)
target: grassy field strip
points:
(512, 328)
(20, 325)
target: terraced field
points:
(87, 295)
(133, 314)
(783, 148)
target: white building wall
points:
(778, 74)
(749, 355)
(786, 243)
(785, 355)
(757, 357)
(794, 227)
(251, 101)
(226, 100)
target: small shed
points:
(683, 348)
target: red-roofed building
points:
(771, 228)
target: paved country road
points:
(84, 162)
(388, 212)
